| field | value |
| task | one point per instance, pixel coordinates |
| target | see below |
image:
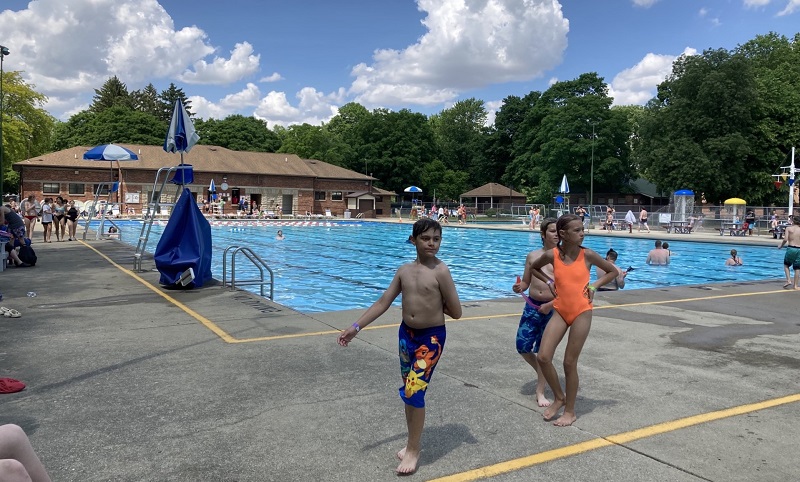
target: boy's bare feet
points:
(553, 409)
(408, 461)
(542, 400)
(565, 420)
(786, 285)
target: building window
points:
(336, 195)
(51, 188)
(103, 189)
(319, 195)
(77, 189)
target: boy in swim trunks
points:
(428, 294)
(791, 238)
(573, 310)
(538, 308)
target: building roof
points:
(204, 158)
(492, 189)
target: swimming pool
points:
(328, 266)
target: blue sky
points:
(297, 61)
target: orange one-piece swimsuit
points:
(572, 287)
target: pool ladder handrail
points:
(256, 261)
(153, 208)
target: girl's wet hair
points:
(423, 225)
(566, 219)
(562, 223)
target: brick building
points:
(268, 179)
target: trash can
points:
(347, 214)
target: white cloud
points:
(468, 45)
(221, 71)
(637, 85)
(68, 49)
(644, 3)
(491, 110)
(271, 78)
(791, 7)
(703, 12)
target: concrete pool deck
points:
(127, 381)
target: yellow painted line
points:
(197, 316)
(620, 438)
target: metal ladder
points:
(100, 232)
(149, 213)
(256, 261)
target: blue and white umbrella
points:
(564, 188)
(212, 189)
(111, 153)
(181, 135)
(413, 189)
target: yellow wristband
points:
(592, 288)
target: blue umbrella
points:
(111, 153)
(181, 135)
(412, 189)
(564, 188)
(212, 189)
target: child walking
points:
(538, 307)
(429, 293)
(573, 310)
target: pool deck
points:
(127, 381)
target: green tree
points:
(396, 146)
(504, 135)
(147, 101)
(700, 130)
(569, 122)
(113, 93)
(115, 124)
(168, 97)
(445, 183)
(461, 135)
(27, 127)
(238, 133)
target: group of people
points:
(440, 214)
(557, 278)
(610, 223)
(54, 214)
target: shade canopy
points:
(181, 135)
(564, 188)
(684, 192)
(412, 189)
(110, 152)
(735, 200)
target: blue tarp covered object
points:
(186, 243)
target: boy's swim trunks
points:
(531, 327)
(792, 257)
(420, 350)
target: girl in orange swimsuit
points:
(573, 310)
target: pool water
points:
(327, 266)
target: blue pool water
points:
(346, 265)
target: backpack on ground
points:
(27, 255)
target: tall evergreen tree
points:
(147, 101)
(113, 93)
(168, 98)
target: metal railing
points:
(256, 261)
